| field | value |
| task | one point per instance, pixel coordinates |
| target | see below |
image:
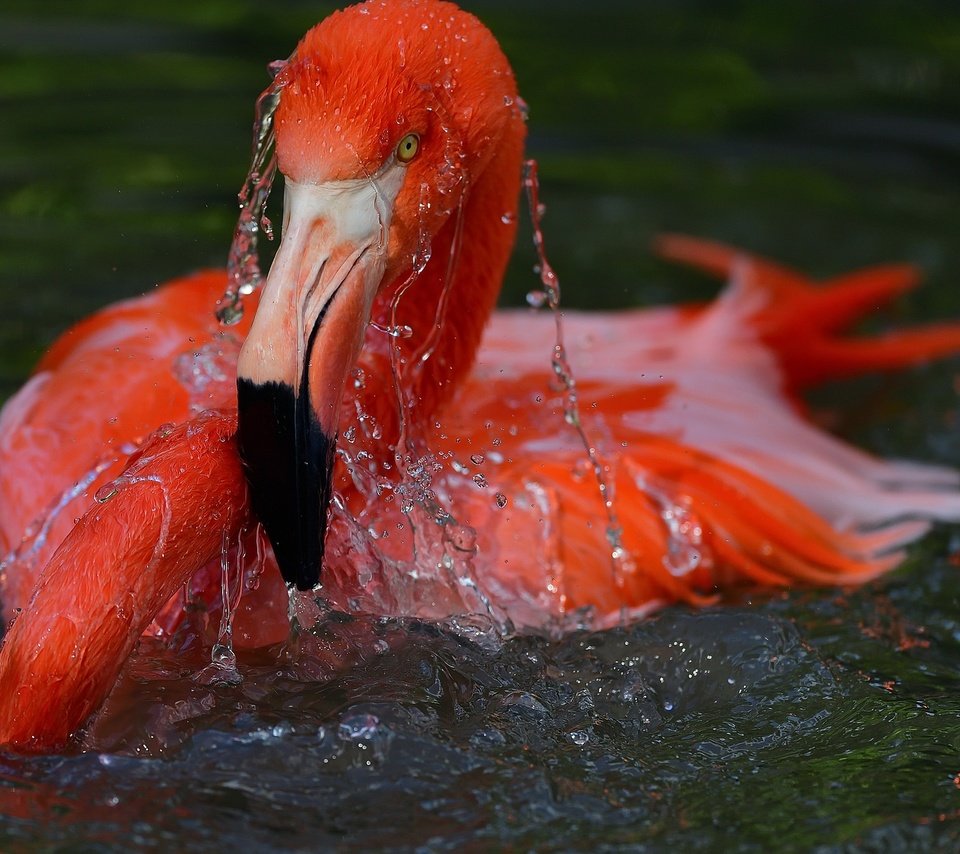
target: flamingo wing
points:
(101, 390)
(178, 501)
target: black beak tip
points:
(289, 465)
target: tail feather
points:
(719, 260)
(801, 320)
(843, 300)
(693, 524)
(836, 358)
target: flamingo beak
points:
(303, 343)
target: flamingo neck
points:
(446, 306)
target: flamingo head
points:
(389, 114)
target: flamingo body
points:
(460, 486)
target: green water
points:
(826, 135)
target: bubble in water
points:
(360, 726)
(367, 734)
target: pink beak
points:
(303, 343)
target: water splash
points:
(208, 373)
(243, 263)
(433, 339)
(686, 549)
(402, 331)
(438, 198)
(550, 296)
(402, 551)
(222, 669)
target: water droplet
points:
(480, 481)
(243, 265)
(105, 493)
(400, 331)
(685, 535)
(501, 500)
(230, 314)
(476, 459)
(223, 655)
(536, 299)
(463, 538)
(359, 726)
(579, 737)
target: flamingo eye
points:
(408, 148)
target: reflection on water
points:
(822, 136)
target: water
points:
(819, 136)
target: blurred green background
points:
(825, 134)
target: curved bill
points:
(303, 343)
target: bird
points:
(365, 426)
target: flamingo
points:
(369, 424)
